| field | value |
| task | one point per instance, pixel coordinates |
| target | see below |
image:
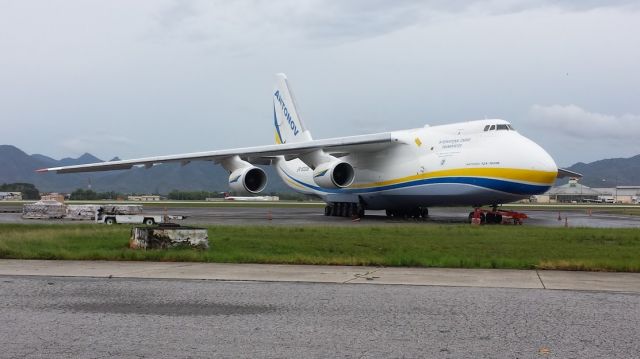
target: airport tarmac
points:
(133, 314)
(308, 215)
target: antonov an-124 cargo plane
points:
(485, 162)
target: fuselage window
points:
(503, 128)
(486, 128)
(493, 127)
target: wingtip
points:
(42, 170)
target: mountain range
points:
(609, 172)
(17, 166)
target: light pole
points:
(615, 198)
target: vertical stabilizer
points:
(288, 124)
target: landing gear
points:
(406, 213)
(496, 216)
(344, 209)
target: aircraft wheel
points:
(389, 213)
(349, 210)
(334, 210)
(490, 218)
(110, 221)
(327, 210)
(354, 210)
(149, 221)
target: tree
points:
(84, 195)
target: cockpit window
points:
(486, 128)
(493, 127)
(503, 128)
(511, 128)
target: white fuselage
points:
(455, 164)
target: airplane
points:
(474, 163)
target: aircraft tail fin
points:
(288, 124)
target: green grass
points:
(453, 246)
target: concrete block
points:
(168, 237)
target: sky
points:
(142, 78)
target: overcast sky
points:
(140, 78)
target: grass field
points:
(454, 246)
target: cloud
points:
(578, 123)
(96, 143)
(177, 13)
(240, 23)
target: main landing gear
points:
(344, 209)
(406, 213)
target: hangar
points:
(574, 192)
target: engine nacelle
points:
(248, 180)
(335, 174)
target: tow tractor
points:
(136, 219)
(496, 216)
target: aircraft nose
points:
(537, 158)
(543, 161)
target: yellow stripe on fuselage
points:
(510, 174)
(295, 184)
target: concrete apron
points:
(487, 278)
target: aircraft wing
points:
(566, 173)
(339, 145)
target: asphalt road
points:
(314, 216)
(57, 317)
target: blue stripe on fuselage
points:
(490, 183)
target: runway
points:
(89, 317)
(312, 215)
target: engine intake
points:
(336, 174)
(248, 180)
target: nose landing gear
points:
(496, 216)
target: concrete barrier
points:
(168, 237)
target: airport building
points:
(144, 198)
(574, 192)
(621, 194)
(10, 196)
(58, 197)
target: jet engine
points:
(335, 174)
(248, 180)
